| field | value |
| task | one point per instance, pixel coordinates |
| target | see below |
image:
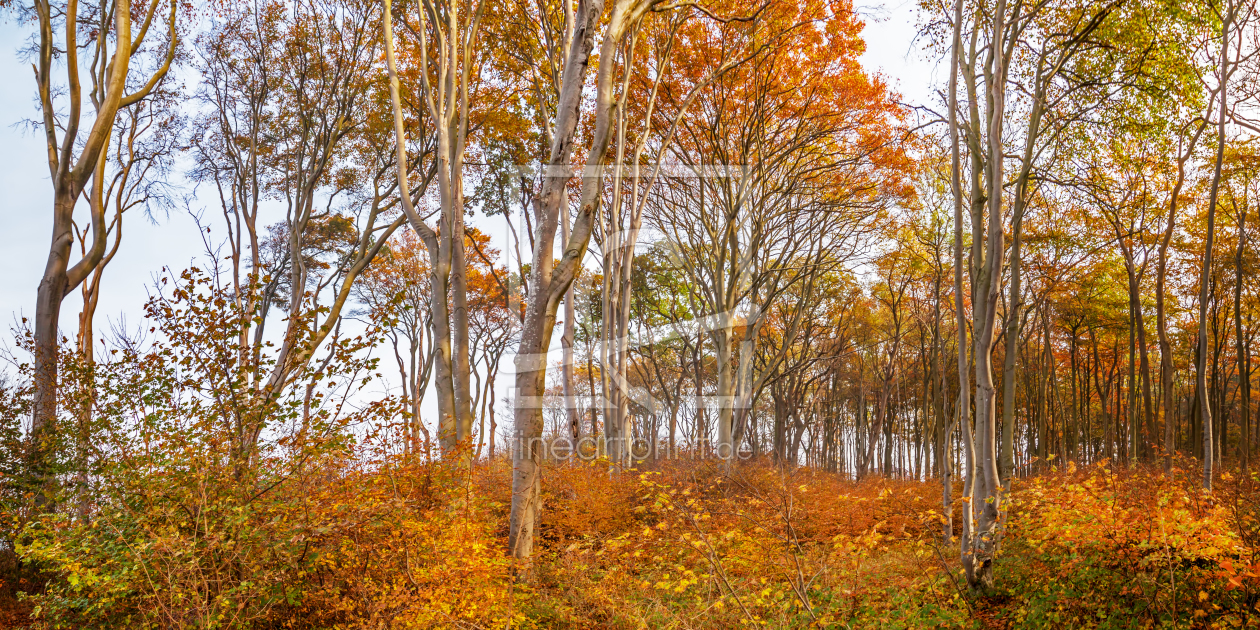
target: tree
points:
(128, 62)
(395, 290)
(658, 103)
(1069, 60)
(286, 120)
(550, 279)
(492, 326)
(1240, 12)
(786, 161)
(446, 72)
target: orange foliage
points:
(405, 547)
(1095, 541)
(689, 544)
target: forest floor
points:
(692, 545)
(697, 546)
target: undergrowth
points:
(671, 545)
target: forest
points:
(632, 314)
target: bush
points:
(1101, 548)
(204, 497)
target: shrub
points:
(1108, 549)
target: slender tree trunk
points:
(964, 387)
(1144, 369)
(440, 321)
(722, 346)
(1240, 346)
(566, 343)
(1132, 416)
(1205, 413)
(1006, 464)
(945, 429)
(1161, 312)
(53, 287)
(551, 279)
(68, 179)
(987, 490)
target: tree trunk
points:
(1205, 413)
(566, 344)
(1240, 346)
(69, 179)
(1161, 311)
(550, 279)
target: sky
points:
(26, 212)
(171, 240)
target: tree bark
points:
(1242, 352)
(551, 280)
(69, 177)
(1205, 275)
